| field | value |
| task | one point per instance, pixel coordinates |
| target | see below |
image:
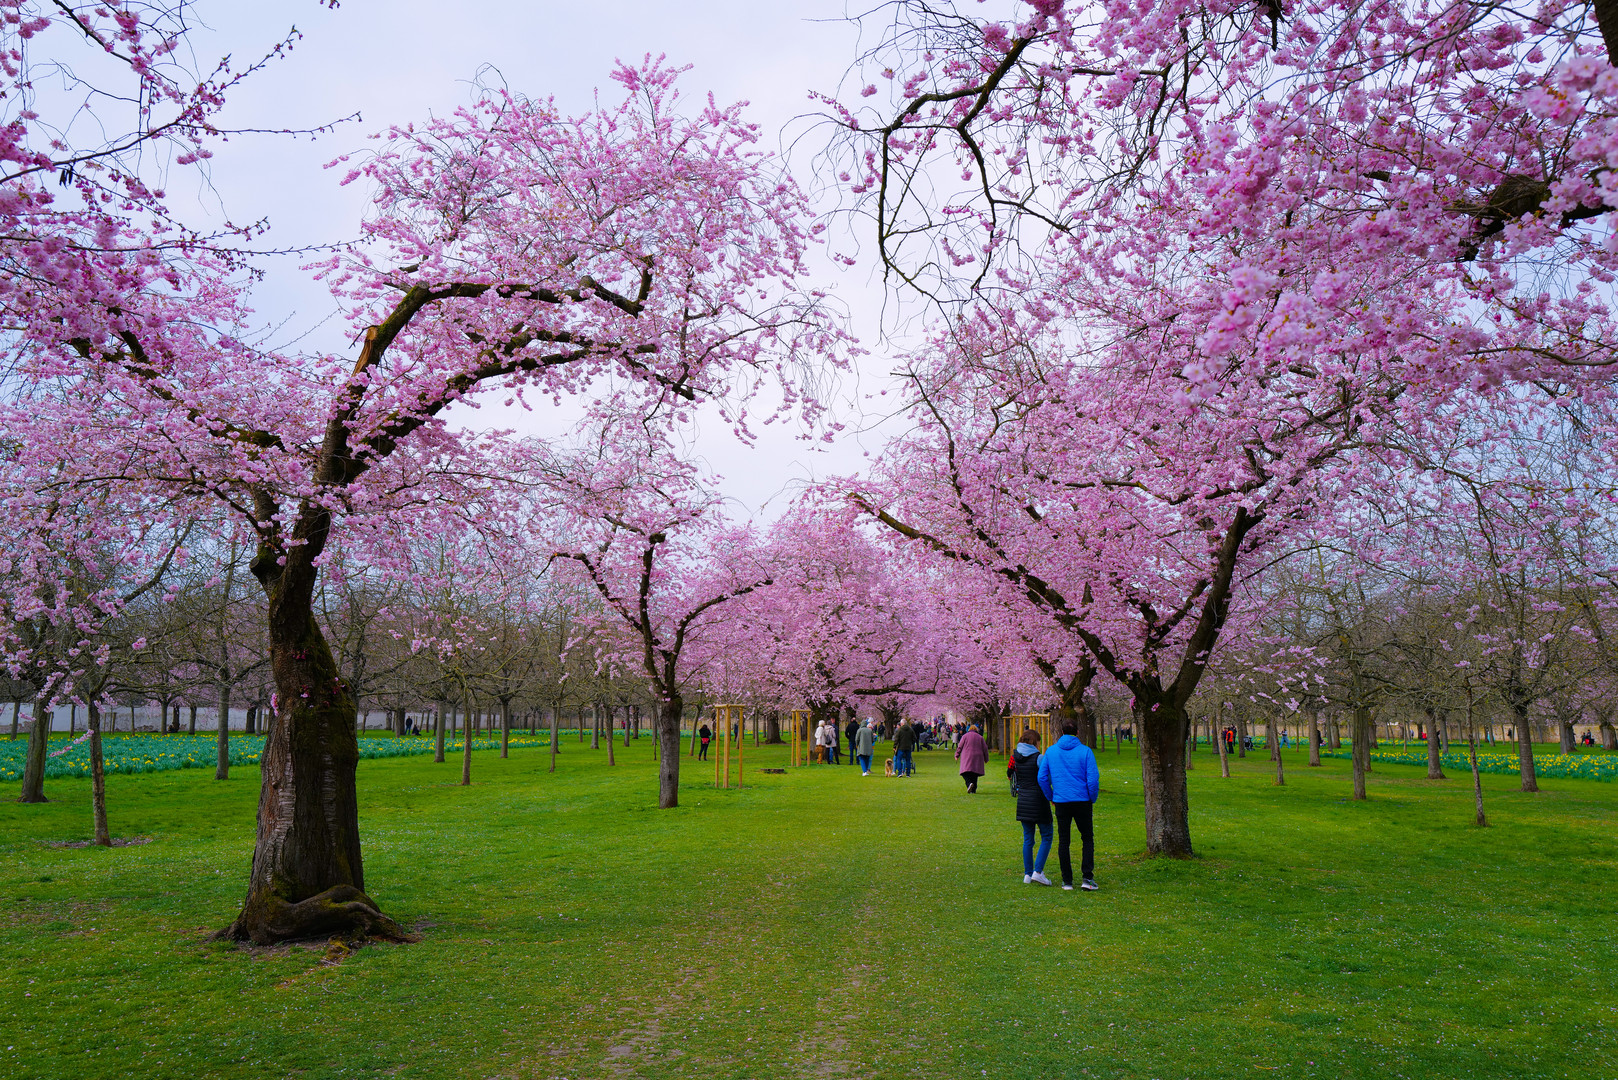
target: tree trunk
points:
(1609, 736)
(1224, 757)
(1271, 739)
(505, 727)
(612, 736)
(556, 713)
(1275, 743)
(1360, 739)
(1162, 755)
(1314, 738)
(1564, 730)
(466, 743)
(1241, 734)
(33, 770)
(1435, 761)
(1335, 732)
(668, 759)
(772, 727)
(307, 879)
(98, 774)
(438, 734)
(16, 708)
(1525, 746)
(222, 767)
(251, 724)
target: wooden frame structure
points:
(1040, 722)
(723, 716)
(801, 752)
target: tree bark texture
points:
(1435, 761)
(1360, 739)
(307, 878)
(668, 758)
(438, 734)
(556, 712)
(222, 767)
(466, 745)
(98, 775)
(1314, 739)
(1162, 755)
(33, 770)
(1525, 746)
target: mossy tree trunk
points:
(307, 878)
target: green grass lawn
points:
(823, 924)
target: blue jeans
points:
(1032, 863)
(865, 762)
(901, 763)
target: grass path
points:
(823, 924)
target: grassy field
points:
(823, 924)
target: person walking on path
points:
(819, 754)
(1032, 808)
(1070, 778)
(703, 735)
(851, 730)
(864, 743)
(834, 742)
(904, 741)
(973, 754)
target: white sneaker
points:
(1067, 886)
(1026, 878)
(1039, 878)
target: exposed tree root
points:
(341, 912)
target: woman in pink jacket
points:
(973, 754)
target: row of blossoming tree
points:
(1217, 292)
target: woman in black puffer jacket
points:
(1032, 809)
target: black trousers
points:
(1067, 815)
(971, 779)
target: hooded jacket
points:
(1068, 772)
(1031, 805)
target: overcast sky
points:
(395, 61)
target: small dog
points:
(887, 768)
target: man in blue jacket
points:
(1071, 780)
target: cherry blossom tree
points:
(642, 250)
(648, 535)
